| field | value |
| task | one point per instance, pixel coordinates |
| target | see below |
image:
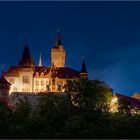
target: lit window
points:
(37, 83)
(42, 83)
(25, 79)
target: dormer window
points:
(37, 74)
(42, 74)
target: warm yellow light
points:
(114, 100)
(114, 105)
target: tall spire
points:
(83, 68)
(83, 72)
(40, 60)
(58, 39)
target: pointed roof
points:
(26, 58)
(58, 39)
(40, 60)
(83, 67)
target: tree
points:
(92, 94)
(53, 110)
(124, 106)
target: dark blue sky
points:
(107, 34)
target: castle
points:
(28, 77)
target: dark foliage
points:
(56, 117)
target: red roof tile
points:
(61, 72)
(66, 72)
(13, 70)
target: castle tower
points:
(83, 72)
(26, 71)
(26, 60)
(58, 53)
(40, 60)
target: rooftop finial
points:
(58, 40)
(40, 60)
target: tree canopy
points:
(93, 94)
(81, 112)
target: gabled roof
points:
(13, 70)
(4, 81)
(61, 72)
(41, 69)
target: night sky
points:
(107, 34)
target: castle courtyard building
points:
(28, 77)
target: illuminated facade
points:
(27, 77)
(58, 53)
